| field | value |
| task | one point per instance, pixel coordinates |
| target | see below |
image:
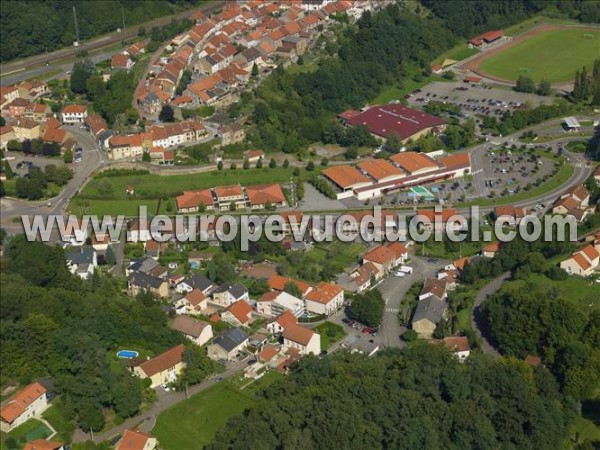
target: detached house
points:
(386, 257)
(277, 283)
(82, 262)
(325, 298)
(227, 345)
(192, 303)
(136, 440)
(434, 287)
(27, 403)
(275, 303)
(459, 346)
(302, 339)
(163, 368)
(285, 320)
(139, 282)
(74, 114)
(583, 262)
(238, 313)
(228, 294)
(196, 281)
(428, 314)
(574, 202)
(121, 61)
(197, 332)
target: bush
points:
(409, 335)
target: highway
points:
(63, 59)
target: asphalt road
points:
(394, 291)
(477, 319)
(23, 69)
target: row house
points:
(38, 112)
(574, 202)
(386, 257)
(125, 146)
(96, 125)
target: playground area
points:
(421, 192)
(550, 52)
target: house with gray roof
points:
(228, 344)
(82, 262)
(138, 282)
(195, 281)
(228, 294)
(429, 313)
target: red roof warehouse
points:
(386, 119)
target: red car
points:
(366, 330)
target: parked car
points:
(165, 387)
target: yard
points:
(194, 422)
(330, 334)
(31, 430)
(60, 422)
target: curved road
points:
(477, 319)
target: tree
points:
(111, 259)
(166, 114)
(292, 289)
(246, 165)
(79, 77)
(8, 172)
(254, 72)
(596, 83)
(324, 161)
(448, 75)
(220, 165)
(272, 163)
(310, 166)
(393, 142)
(233, 166)
(127, 396)
(259, 163)
(300, 60)
(286, 163)
(368, 308)
(232, 206)
(68, 156)
(146, 157)
(544, 87)
(525, 84)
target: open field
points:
(550, 52)
(194, 422)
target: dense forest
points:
(53, 324)
(417, 398)
(38, 26)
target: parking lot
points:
(475, 99)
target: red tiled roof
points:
(240, 310)
(17, 405)
(345, 176)
(165, 360)
(264, 193)
(380, 169)
(268, 353)
(492, 247)
(193, 199)
(413, 161)
(75, 109)
(120, 61)
(456, 160)
(42, 444)
(457, 343)
(229, 191)
(287, 319)
(324, 293)
(133, 440)
(299, 334)
(278, 283)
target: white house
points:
(74, 114)
(29, 402)
(459, 346)
(583, 262)
(325, 298)
(193, 303)
(82, 262)
(136, 440)
(285, 320)
(274, 303)
(229, 294)
(302, 339)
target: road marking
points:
(477, 171)
(392, 310)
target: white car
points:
(165, 387)
(399, 274)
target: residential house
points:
(386, 257)
(575, 202)
(193, 303)
(164, 368)
(285, 320)
(228, 195)
(38, 112)
(265, 196)
(278, 283)
(434, 287)
(583, 262)
(428, 314)
(459, 346)
(227, 294)
(121, 61)
(26, 129)
(74, 113)
(253, 156)
(144, 265)
(27, 403)
(82, 262)
(275, 303)
(509, 215)
(138, 282)
(302, 339)
(153, 249)
(238, 313)
(227, 345)
(7, 133)
(193, 201)
(231, 134)
(43, 444)
(139, 231)
(490, 250)
(136, 440)
(196, 331)
(325, 298)
(196, 281)
(75, 233)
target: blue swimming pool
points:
(127, 354)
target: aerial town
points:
(474, 325)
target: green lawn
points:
(457, 53)
(395, 92)
(194, 422)
(31, 430)
(59, 421)
(330, 333)
(553, 55)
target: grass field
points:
(552, 55)
(194, 422)
(31, 430)
(330, 333)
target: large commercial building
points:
(385, 120)
(372, 178)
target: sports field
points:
(554, 55)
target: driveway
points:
(477, 319)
